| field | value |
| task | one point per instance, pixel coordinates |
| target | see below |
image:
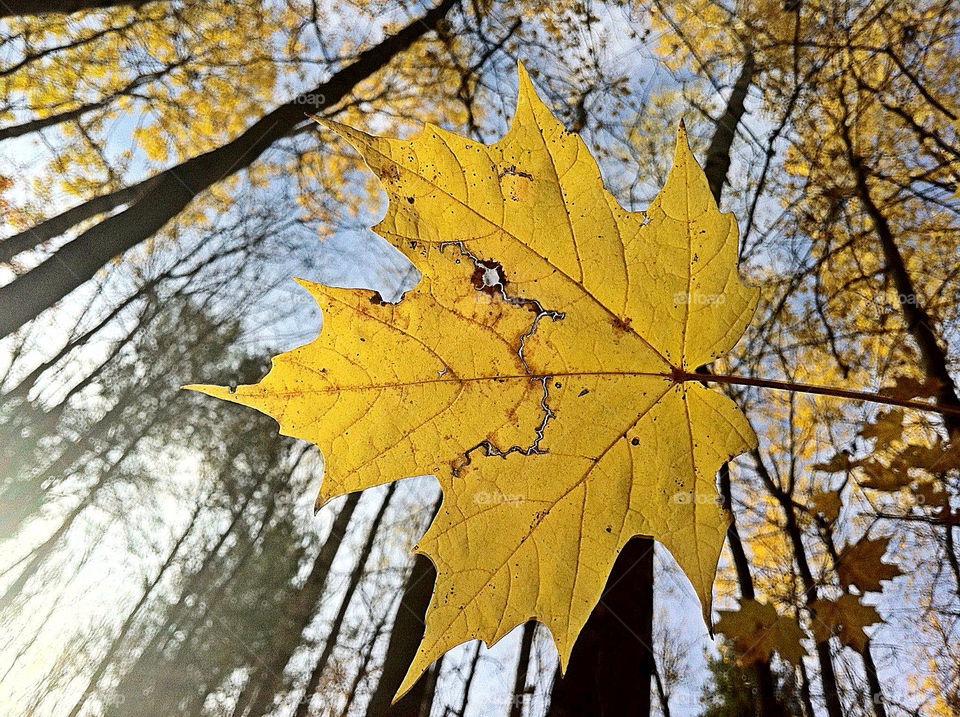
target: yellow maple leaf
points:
(885, 428)
(539, 370)
(827, 503)
(845, 617)
(757, 631)
(888, 477)
(837, 463)
(907, 387)
(861, 564)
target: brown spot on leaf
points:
(489, 278)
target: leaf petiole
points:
(680, 376)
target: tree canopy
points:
(160, 184)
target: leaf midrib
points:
(459, 380)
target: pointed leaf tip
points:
(341, 130)
(209, 389)
(319, 503)
(523, 79)
(683, 141)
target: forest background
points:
(160, 184)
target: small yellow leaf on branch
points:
(862, 565)
(846, 617)
(757, 631)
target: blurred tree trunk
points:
(303, 708)
(430, 687)
(138, 679)
(266, 677)
(42, 552)
(873, 681)
(42, 7)
(121, 635)
(405, 637)
(468, 683)
(365, 660)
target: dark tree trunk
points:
(48, 229)
(266, 679)
(661, 693)
(873, 680)
(933, 356)
(805, 698)
(612, 661)
(718, 154)
(588, 687)
(523, 662)
(172, 190)
(405, 638)
(717, 167)
(44, 7)
(768, 705)
(828, 675)
(920, 326)
(430, 688)
(303, 709)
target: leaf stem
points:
(680, 376)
